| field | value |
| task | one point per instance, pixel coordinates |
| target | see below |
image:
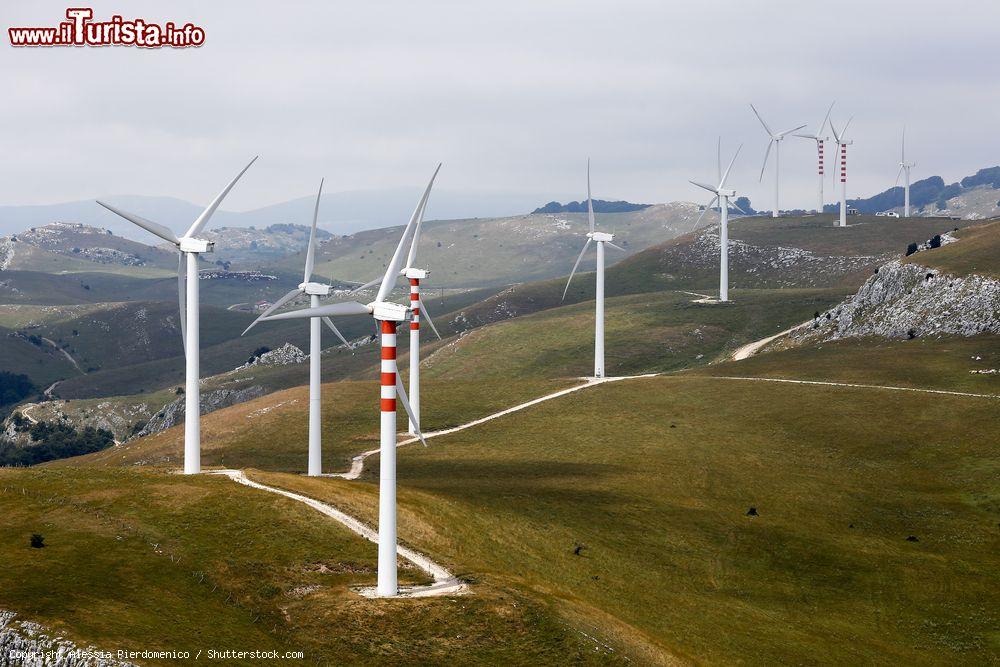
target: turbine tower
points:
(842, 144)
(904, 170)
(602, 239)
(418, 311)
(722, 195)
(189, 247)
(775, 140)
(819, 139)
(314, 291)
(387, 316)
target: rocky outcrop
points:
(907, 301)
(30, 644)
(283, 356)
(173, 413)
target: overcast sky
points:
(509, 95)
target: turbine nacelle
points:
(388, 311)
(411, 273)
(601, 236)
(725, 193)
(314, 289)
(187, 244)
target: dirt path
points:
(851, 385)
(358, 462)
(445, 583)
(65, 354)
(750, 349)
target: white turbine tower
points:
(418, 311)
(387, 315)
(722, 195)
(602, 239)
(842, 144)
(904, 170)
(819, 139)
(775, 140)
(189, 247)
(314, 291)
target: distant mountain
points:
(974, 197)
(340, 212)
(600, 206)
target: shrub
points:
(14, 387)
(935, 242)
(910, 249)
(911, 334)
(37, 541)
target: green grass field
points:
(977, 251)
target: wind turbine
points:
(904, 170)
(314, 291)
(602, 239)
(776, 139)
(418, 310)
(387, 315)
(722, 195)
(819, 139)
(842, 144)
(189, 247)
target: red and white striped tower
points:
(819, 148)
(415, 276)
(388, 584)
(843, 184)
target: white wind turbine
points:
(819, 139)
(775, 140)
(904, 170)
(418, 312)
(842, 144)
(387, 315)
(314, 290)
(722, 196)
(188, 247)
(602, 239)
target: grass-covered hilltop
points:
(809, 474)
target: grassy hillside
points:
(670, 555)
(977, 251)
(145, 560)
(498, 251)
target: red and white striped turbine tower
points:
(387, 316)
(842, 144)
(819, 139)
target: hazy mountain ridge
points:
(974, 197)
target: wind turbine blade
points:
(737, 207)
(411, 258)
(571, 273)
(616, 247)
(703, 186)
(202, 220)
(806, 136)
(898, 174)
(766, 128)
(425, 314)
(787, 132)
(273, 307)
(311, 251)
(718, 162)
(902, 147)
(763, 166)
(370, 283)
(182, 297)
(722, 182)
(844, 132)
(148, 225)
(819, 130)
(705, 210)
(590, 202)
(401, 395)
(331, 310)
(335, 330)
(396, 263)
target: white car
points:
(891, 214)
